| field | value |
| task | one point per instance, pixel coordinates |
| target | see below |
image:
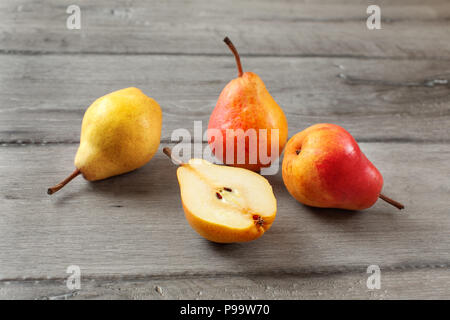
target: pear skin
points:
(323, 166)
(245, 103)
(120, 132)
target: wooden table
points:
(390, 88)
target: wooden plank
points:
(326, 28)
(134, 225)
(398, 284)
(44, 97)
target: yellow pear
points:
(225, 204)
(120, 133)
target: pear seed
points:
(258, 220)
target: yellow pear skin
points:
(120, 133)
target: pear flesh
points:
(226, 204)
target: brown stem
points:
(168, 152)
(236, 55)
(55, 188)
(396, 204)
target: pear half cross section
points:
(225, 204)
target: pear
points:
(225, 204)
(323, 166)
(120, 133)
(245, 106)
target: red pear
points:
(246, 109)
(323, 166)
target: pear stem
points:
(236, 55)
(168, 152)
(60, 185)
(392, 202)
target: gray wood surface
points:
(134, 223)
(318, 28)
(399, 284)
(44, 97)
(390, 88)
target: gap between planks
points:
(9, 52)
(309, 272)
(26, 143)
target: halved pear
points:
(226, 204)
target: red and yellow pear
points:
(244, 105)
(323, 166)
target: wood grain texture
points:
(44, 97)
(390, 88)
(134, 225)
(400, 284)
(415, 29)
